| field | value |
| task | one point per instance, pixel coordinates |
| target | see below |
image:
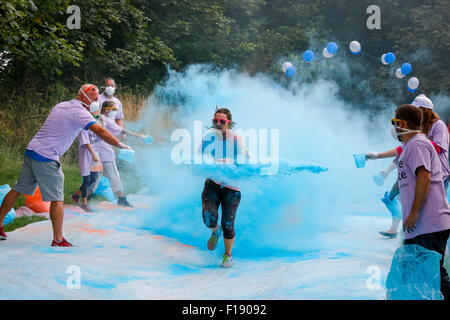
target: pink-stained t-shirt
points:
(60, 129)
(434, 215)
(440, 136)
(106, 151)
(102, 98)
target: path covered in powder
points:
(118, 262)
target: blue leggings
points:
(87, 182)
(213, 196)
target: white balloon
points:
(413, 83)
(383, 60)
(399, 74)
(286, 65)
(355, 46)
(326, 54)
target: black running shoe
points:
(123, 202)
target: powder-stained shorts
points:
(48, 175)
(112, 173)
(213, 196)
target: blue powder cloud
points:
(284, 214)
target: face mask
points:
(397, 135)
(112, 114)
(94, 106)
(110, 90)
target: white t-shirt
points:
(60, 129)
(106, 152)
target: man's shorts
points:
(48, 175)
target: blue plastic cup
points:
(378, 178)
(126, 155)
(360, 160)
(147, 139)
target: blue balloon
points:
(332, 47)
(389, 57)
(406, 68)
(290, 71)
(308, 55)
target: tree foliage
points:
(135, 41)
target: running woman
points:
(228, 146)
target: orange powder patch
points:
(87, 228)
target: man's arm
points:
(107, 136)
(423, 180)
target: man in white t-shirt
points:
(41, 164)
(108, 94)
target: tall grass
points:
(132, 105)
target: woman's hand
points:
(95, 157)
(371, 155)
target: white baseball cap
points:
(422, 101)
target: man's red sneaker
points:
(2, 234)
(63, 243)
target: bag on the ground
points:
(4, 189)
(104, 189)
(414, 275)
(35, 202)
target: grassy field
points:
(22, 222)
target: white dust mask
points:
(110, 90)
(396, 135)
(94, 106)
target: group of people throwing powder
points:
(422, 165)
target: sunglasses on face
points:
(395, 122)
(220, 121)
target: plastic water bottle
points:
(360, 160)
(126, 155)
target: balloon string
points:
(369, 55)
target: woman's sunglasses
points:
(396, 121)
(220, 121)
